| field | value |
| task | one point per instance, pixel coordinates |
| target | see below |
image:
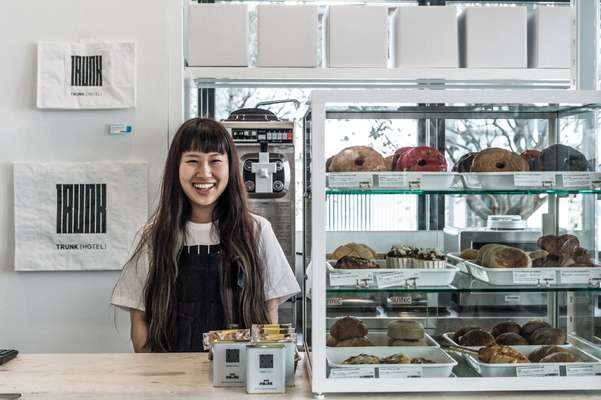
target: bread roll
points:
(544, 351)
(505, 327)
(354, 249)
(348, 328)
(405, 330)
(477, 337)
(530, 326)
(511, 339)
(463, 331)
(560, 358)
(547, 336)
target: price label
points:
(583, 370)
(353, 180)
(398, 371)
(534, 179)
(539, 277)
(400, 300)
(347, 278)
(513, 299)
(577, 179)
(397, 278)
(479, 273)
(353, 372)
(393, 180)
(537, 370)
(334, 301)
(578, 277)
(414, 181)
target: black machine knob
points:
(250, 186)
(278, 186)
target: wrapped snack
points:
(272, 333)
(238, 335)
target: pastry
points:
(547, 336)
(560, 358)
(350, 262)
(498, 354)
(511, 339)
(498, 160)
(559, 157)
(399, 358)
(463, 331)
(544, 351)
(400, 256)
(430, 259)
(388, 163)
(330, 341)
(464, 164)
(469, 254)
(405, 330)
(401, 342)
(476, 337)
(398, 154)
(362, 359)
(354, 342)
(532, 156)
(501, 256)
(354, 249)
(348, 328)
(538, 258)
(529, 327)
(582, 257)
(329, 163)
(357, 159)
(505, 327)
(421, 360)
(423, 159)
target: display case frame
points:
(321, 103)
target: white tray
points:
(390, 277)
(532, 180)
(442, 367)
(536, 276)
(392, 180)
(380, 339)
(588, 366)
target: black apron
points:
(199, 307)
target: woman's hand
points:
(139, 331)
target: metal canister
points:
(229, 363)
(266, 368)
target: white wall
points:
(69, 311)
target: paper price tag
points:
(334, 301)
(537, 370)
(339, 180)
(578, 277)
(344, 278)
(400, 300)
(397, 278)
(534, 179)
(392, 372)
(534, 277)
(414, 181)
(392, 180)
(513, 299)
(353, 372)
(583, 370)
(577, 179)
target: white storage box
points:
(549, 37)
(426, 37)
(494, 37)
(357, 36)
(287, 36)
(218, 35)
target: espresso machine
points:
(265, 145)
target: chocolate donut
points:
(559, 157)
(532, 156)
(505, 327)
(498, 160)
(357, 159)
(464, 164)
(421, 158)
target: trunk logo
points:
(81, 208)
(86, 70)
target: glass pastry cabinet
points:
(452, 240)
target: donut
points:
(357, 159)
(398, 154)
(559, 157)
(464, 164)
(505, 327)
(533, 158)
(421, 158)
(389, 163)
(329, 163)
(498, 160)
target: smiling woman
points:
(196, 266)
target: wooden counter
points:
(181, 376)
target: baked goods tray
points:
(393, 180)
(441, 367)
(530, 180)
(455, 260)
(382, 278)
(589, 365)
(380, 339)
(543, 277)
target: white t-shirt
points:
(280, 282)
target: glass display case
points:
(452, 240)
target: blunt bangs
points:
(205, 136)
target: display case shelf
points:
(375, 191)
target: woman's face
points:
(203, 177)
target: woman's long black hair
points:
(164, 237)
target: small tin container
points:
(266, 368)
(229, 363)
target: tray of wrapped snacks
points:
(389, 362)
(559, 261)
(532, 361)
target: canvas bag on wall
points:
(87, 75)
(77, 216)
